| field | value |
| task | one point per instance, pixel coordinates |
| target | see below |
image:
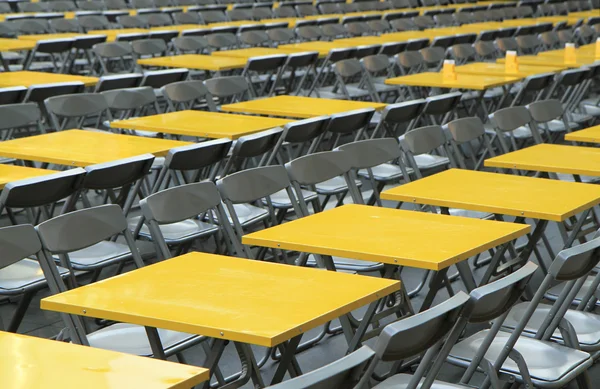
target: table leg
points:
(155, 343)
(4, 63)
(466, 275)
(355, 342)
(436, 282)
(288, 359)
(212, 360)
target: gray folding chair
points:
(148, 48)
(20, 275)
(425, 148)
(398, 118)
(113, 57)
(380, 162)
(514, 124)
(72, 111)
(228, 90)
(470, 142)
(298, 68)
(247, 197)
(118, 81)
(263, 74)
(343, 373)
(299, 138)
(57, 50)
(281, 36)
(185, 95)
(430, 333)
(39, 195)
(249, 148)
(190, 45)
(128, 21)
(20, 119)
(550, 117)
(175, 217)
(84, 230)
(378, 68)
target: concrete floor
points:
(47, 324)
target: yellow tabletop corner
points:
(223, 297)
(201, 124)
(589, 135)
(551, 158)
(196, 61)
(15, 44)
(391, 236)
(27, 78)
(80, 148)
(31, 362)
(298, 106)
(10, 173)
(462, 81)
(506, 194)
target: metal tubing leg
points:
(155, 344)
(434, 285)
(362, 327)
(17, 317)
(287, 358)
(212, 360)
(464, 270)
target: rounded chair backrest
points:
(129, 98)
(74, 105)
(115, 174)
(305, 130)
(38, 191)
(318, 167)
(511, 118)
(348, 122)
(19, 115)
(415, 334)
(575, 262)
(80, 229)
(252, 184)
(18, 242)
(466, 129)
(544, 111)
(180, 202)
(371, 152)
(113, 49)
(197, 156)
(188, 92)
(442, 104)
(149, 46)
(223, 87)
(402, 112)
(424, 140)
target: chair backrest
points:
(342, 373)
(18, 242)
(20, 115)
(190, 44)
(543, 111)
(159, 78)
(65, 25)
(118, 81)
(125, 103)
(423, 140)
(410, 62)
(232, 88)
(440, 108)
(469, 140)
(300, 133)
(252, 146)
(12, 95)
(186, 94)
(369, 153)
(44, 190)
(78, 106)
(511, 118)
(152, 47)
(116, 174)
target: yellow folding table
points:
(27, 78)
(249, 52)
(211, 63)
(496, 69)
(82, 148)
(298, 106)
(588, 135)
(393, 237)
(10, 173)
(229, 299)
(550, 61)
(201, 124)
(523, 197)
(31, 362)
(13, 45)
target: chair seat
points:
(23, 275)
(586, 325)
(400, 381)
(553, 293)
(468, 213)
(580, 118)
(347, 264)
(353, 91)
(105, 253)
(333, 186)
(550, 364)
(178, 232)
(132, 339)
(384, 172)
(591, 110)
(559, 126)
(571, 178)
(247, 214)
(281, 200)
(430, 161)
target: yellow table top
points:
(201, 124)
(180, 27)
(462, 81)
(590, 135)
(41, 37)
(248, 53)
(392, 236)
(82, 148)
(496, 69)
(15, 45)
(27, 78)
(322, 48)
(551, 158)
(586, 53)
(298, 106)
(223, 297)
(10, 173)
(111, 35)
(550, 61)
(30, 362)
(536, 198)
(196, 61)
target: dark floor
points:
(47, 324)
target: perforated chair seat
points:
(281, 200)
(178, 232)
(430, 161)
(132, 339)
(400, 381)
(347, 264)
(105, 253)
(550, 364)
(384, 172)
(586, 325)
(22, 275)
(334, 186)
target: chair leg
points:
(15, 321)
